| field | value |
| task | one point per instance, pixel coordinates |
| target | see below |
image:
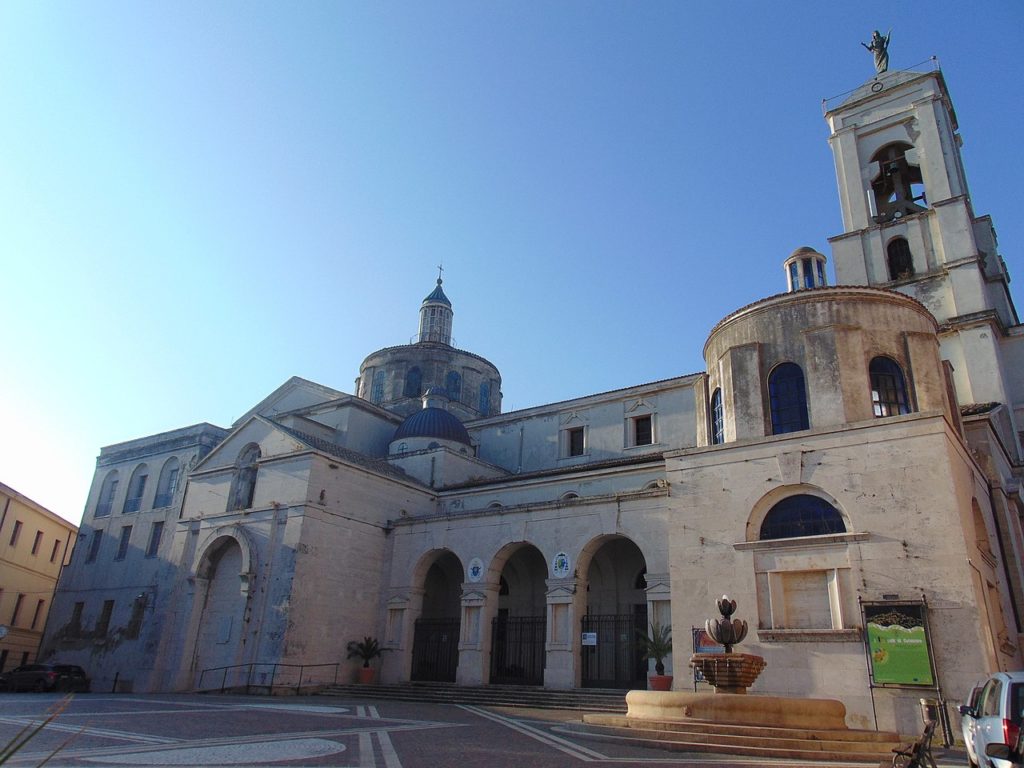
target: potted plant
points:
(657, 645)
(366, 649)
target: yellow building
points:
(34, 546)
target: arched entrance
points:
(435, 644)
(518, 630)
(223, 613)
(616, 614)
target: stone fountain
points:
(728, 672)
(732, 674)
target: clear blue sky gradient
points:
(201, 199)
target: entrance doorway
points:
(616, 615)
(435, 644)
(518, 631)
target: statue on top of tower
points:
(880, 48)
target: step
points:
(591, 700)
(851, 746)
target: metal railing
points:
(266, 675)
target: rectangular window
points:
(154, 539)
(17, 610)
(76, 618)
(38, 612)
(643, 430)
(56, 549)
(37, 542)
(3, 659)
(16, 532)
(24, 658)
(122, 545)
(576, 445)
(165, 493)
(94, 547)
(103, 622)
(106, 501)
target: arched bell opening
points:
(518, 631)
(616, 616)
(435, 645)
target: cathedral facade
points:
(851, 453)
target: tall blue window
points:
(377, 389)
(453, 383)
(717, 419)
(485, 398)
(801, 515)
(413, 382)
(888, 387)
(788, 397)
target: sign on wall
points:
(702, 643)
(899, 644)
(560, 566)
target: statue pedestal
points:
(728, 672)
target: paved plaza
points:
(190, 730)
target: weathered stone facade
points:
(834, 454)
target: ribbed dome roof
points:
(438, 295)
(433, 422)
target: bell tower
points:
(909, 226)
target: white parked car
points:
(995, 718)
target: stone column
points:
(403, 608)
(475, 633)
(565, 606)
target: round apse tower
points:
(396, 378)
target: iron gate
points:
(617, 659)
(435, 650)
(517, 650)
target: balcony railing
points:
(103, 509)
(163, 500)
(132, 505)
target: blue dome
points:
(433, 422)
(438, 295)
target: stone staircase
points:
(853, 746)
(581, 699)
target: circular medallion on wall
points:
(560, 567)
(476, 569)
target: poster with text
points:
(898, 643)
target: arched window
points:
(413, 383)
(801, 515)
(901, 263)
(899, 187)
(377, 388)
(136, 487)
(107, 492)
(717, 419)
(485, 398)
(168, 484)
(888, 388)
(788, 397)
(453, 383)
(245, 478)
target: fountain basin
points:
(728, 672)
(740, 709)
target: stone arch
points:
(612, 572)
(438, 577)
(223, 580)
(518, 615)
(765, 504)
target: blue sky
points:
(199, 200)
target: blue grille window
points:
(888, 388)
(717, 419)
(377, 389)
(788, 397)
(485, 398)
(453, 383)
(413, 383)
(801, 515)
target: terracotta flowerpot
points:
(660, 682)
(366, 675)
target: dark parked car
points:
(45, 677)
